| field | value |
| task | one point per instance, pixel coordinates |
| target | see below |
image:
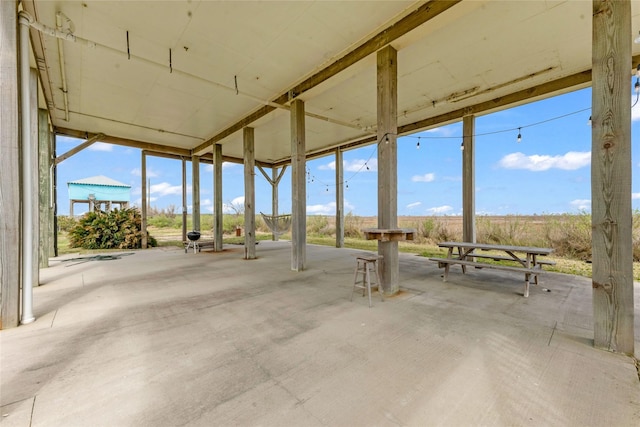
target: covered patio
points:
(160, 337)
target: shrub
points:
(118, 229)
(66, 223)
(317, 224)
(352, 225)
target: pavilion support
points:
(195, 192)
(45, 202)
(184, 199)
(274, 180)
(613, 310)
(339, 199)
(249, 156)
(35, 177)
(468, 179)
(143, 203)
(218, 225)
(9, 158)
(298, 187)
(29, 185)
(387, 94)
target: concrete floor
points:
(164, 338)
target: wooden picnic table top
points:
(490, 247)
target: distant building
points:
(96, 191)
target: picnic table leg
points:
(527, 276)
(464, 267)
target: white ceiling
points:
(473, 52)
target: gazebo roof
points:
(99, 180)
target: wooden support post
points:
(218, 225)
(184, 198)
(339, 199)
(45, 202)
(9, 158)
(249, 194)
(613, 310)
(468, 179)
(34, 163)
(274, 198)
(298, 187)
(143, 208)
(195, 192)
(387, 95)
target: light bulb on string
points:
(462, 145)
(519, 138)
(418, 144)
(386, 138)
(589, 121)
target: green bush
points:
(118, 229)
(66, 223)
(352, 225)
(318, 225)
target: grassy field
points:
(568, 235)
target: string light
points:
(462, 145)
(418, 144)
(589, 121)
(519, 138)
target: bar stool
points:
(366, 264)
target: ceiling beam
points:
(424, 13)
(79, 148)
(125, 142)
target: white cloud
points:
(569, 161)
(357, 165)
(138, 202)
(440, 210)
(635, 113)
(150, 173)
(100, 146)
(234, 206)
(581, 204)
(635, 195)
(427, 177)
(329, 208)
(413, 205)
(225, 165)
(165, 189)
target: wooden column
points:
(195, 192)
(613, 310)
(298, 187)
(339, 199)
(143, 208)
(9, 158)
(218, 225)
(275, 180)
(468, 179)
(184, 198)
(249, 194)
(34, 163)
(387, 94)
(45, 189)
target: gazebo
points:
(98, 190)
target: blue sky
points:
(547, 172)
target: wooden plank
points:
(9, 158)
(613, 305)
(77, 149)
(144, 201)
(195, 192)
(487, 265)
(490, 247)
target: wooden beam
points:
(125, 142)
(611, 219)
(79, 148)
(422, 14)
(195, 192)
(143, 199)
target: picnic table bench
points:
(521, 259)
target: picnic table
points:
(522, 259)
